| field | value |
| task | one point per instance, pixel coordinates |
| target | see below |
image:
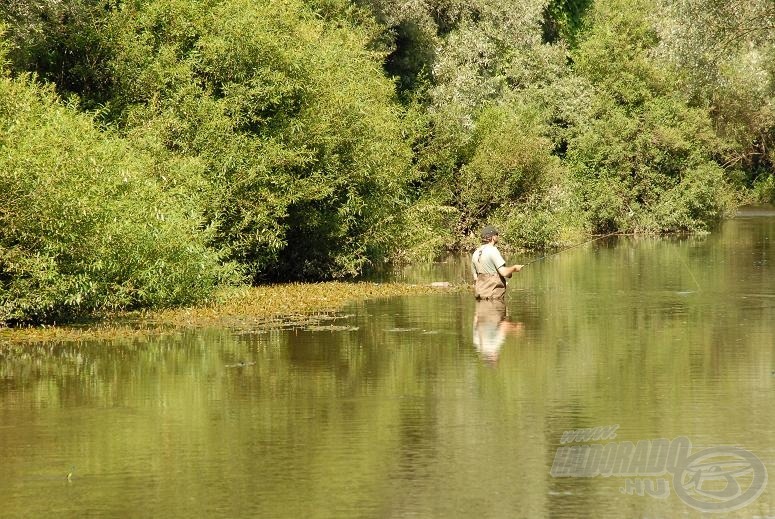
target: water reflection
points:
(491, 327)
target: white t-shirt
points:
(486, 260)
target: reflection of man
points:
(489, 268)
(491, 327)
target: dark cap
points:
(488, 232)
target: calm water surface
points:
(428, 406)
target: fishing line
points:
(680, 256)
(569, 248)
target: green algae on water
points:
(242, 309)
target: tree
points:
(292, 116)
(724, 52)
(643, 161)
(84, 225)
(61, 43)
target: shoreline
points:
(242, 309)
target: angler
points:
(489, 268)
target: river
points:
(660, 350)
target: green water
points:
(423, 406)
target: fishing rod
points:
(571, 247)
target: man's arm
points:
(503, 270)
(506, 272)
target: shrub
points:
(292, 116)
(764, 188)
(510, 160)
(644, 159)
(83, 227)
(61, 43)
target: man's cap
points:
(488, 232)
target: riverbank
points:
(244, 309)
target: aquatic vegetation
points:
(241, 309)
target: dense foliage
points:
(309, 139)
(292, 117)
(83, 225)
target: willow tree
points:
(85, 226)
(297, 125)
(724, 52)
(644, 158)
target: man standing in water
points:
(489, 268)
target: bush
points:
(510, 159)
(764, 188)
(61, 43)
(276, 123)
(428, 230)
(83, 228)
(701, 197)
(643, 161)
(296, 124)
(542, 221)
